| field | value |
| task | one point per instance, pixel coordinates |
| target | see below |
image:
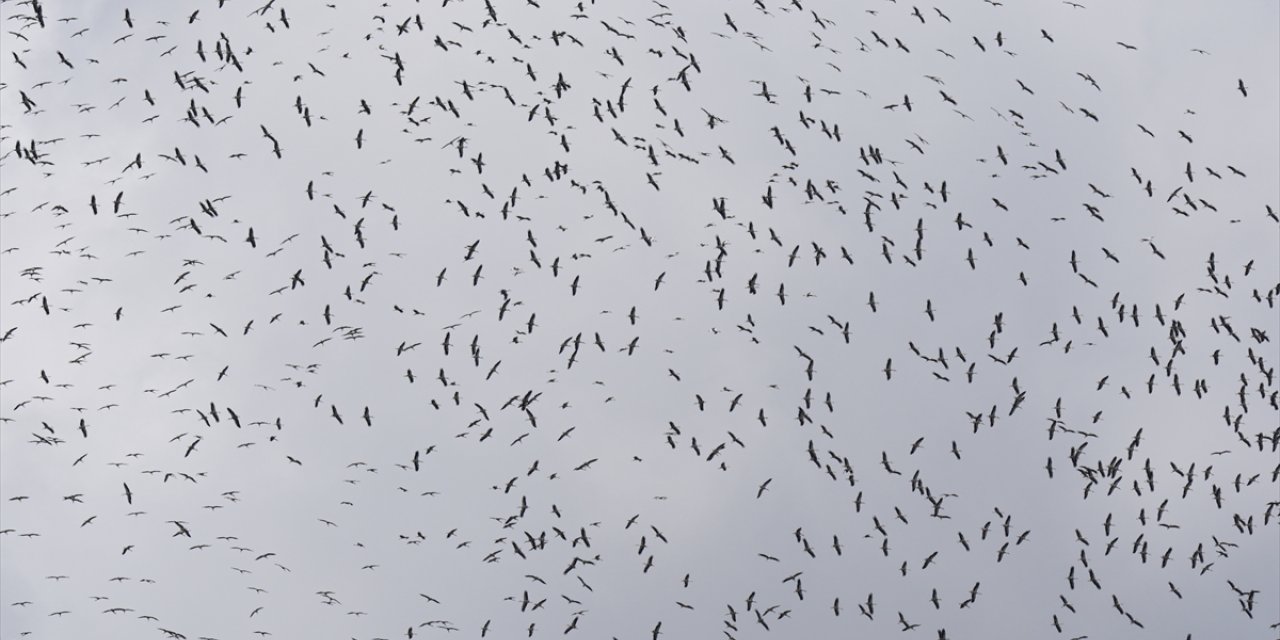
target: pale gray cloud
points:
(301, 526)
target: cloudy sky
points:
(618, 320)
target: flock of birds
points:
(535, 318)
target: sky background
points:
(540, 378)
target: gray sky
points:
(615, 394)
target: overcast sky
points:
(737, 341)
